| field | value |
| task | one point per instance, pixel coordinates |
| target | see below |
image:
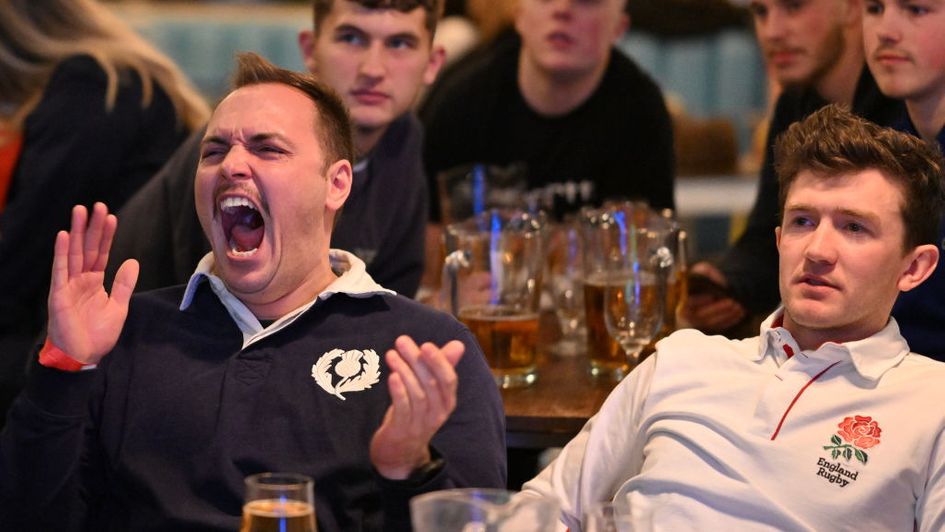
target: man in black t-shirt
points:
(558, 101)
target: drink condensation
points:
(276, 515)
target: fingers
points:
(710, 271)
(124, 283)
(716, 316)
(428, 379)
(60, 267)
(77, 240)
(90, 238)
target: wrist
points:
(406, 469)
(52, 356)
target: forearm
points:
(42, 445)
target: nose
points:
(372, 62)
(822, 245)
(562, 9)
(772, 27)
(235, 164)
(885, 26)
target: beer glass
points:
(492, 279)
(473, 510)
(635, 292)
(565, 279)
(279, 502)
(601, 234)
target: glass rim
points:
(276, 480)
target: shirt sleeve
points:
(603, 456)
(930, 506)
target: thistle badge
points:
(339, 371)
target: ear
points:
(437, 59)
(307, 48)
(921, 263)
(339, 184)
(777, 238)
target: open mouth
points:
(243, 225)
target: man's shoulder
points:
(624, 73)
(156, 301)
(694, 345)
(472, 80)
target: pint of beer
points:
(492, 277)
(509, 341)
(619, 232)
(279, 502)
(606, 356)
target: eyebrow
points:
(348, 27)
(254, 139)
(853, 213)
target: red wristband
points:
(53, 357)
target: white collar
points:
(871, 356)
(353, 281)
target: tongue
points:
(246, 229)
(246, 238)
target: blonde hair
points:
(36, 35)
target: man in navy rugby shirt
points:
(150, 414)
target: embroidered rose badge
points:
(859, 433)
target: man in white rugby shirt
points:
(826, 420)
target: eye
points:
(401, 43)
(758, 11)
(268, 149)
(351, 37)
(793, 6)
(874, 8)
(855, 227)
(917, 10)
(801, 221)
(211, 151)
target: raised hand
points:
(84, 321)
(422, 388)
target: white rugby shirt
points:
(716, 434)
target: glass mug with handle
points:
(635, 294)
(492, 275)
(279, 502)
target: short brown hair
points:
(432, 8)
(833, 141)
(333, 125)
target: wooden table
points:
(552, 410)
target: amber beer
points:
(275, 515)
(607, 357)
(615, 363)
(508, 339)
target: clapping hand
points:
(422, 387)
(84, 321)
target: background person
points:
(907, 57)
(814, 50)
(92, 111)
(151, 414)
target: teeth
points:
(242, 253)
(232, 202)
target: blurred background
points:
(702, 53)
